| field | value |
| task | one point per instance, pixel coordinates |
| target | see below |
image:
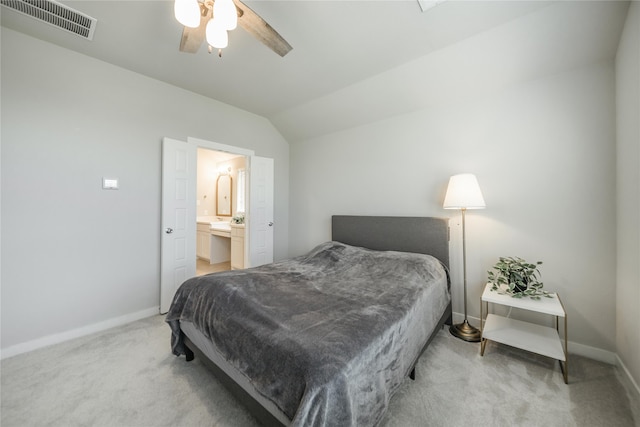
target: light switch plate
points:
(109, 183)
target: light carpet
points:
(127, 376)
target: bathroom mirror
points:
(223, 192)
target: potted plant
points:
(238, 218)
(517, 277)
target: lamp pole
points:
(464, 330)
(463, 192)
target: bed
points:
(325, 338)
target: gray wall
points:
(628, 192)
(73, 254)
(544, 154)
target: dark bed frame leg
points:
(188, 353)
(412, 374)
(449, 320)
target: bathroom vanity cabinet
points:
(237, 246)
(203, 247)
(219, 241)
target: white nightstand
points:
(524, 335)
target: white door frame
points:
(220, 147)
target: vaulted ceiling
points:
(352, 61)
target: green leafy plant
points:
(517, 277)
(238, 218)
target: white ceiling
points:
(345, 52)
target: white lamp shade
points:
(216, 34)
(463, 192)
(226, 13)
(187, 12)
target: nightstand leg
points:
(565, 371)
(483, 341)
(564, 367)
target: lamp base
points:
(465, 331)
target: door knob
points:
(270, 223)
(168, 230)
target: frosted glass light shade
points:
(463, 192)
(216, 34)
(225, 12)
(187, 12)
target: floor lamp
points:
(464, 193)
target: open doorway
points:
(178, 228)
(220, 210)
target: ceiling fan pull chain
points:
(210, 49)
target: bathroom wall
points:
(236, 164)
(209, 163)
(206, 185)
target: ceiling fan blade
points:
(192, 38)
(258, 27)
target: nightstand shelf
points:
(527, 336)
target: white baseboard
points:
(25, 347)
(574, 347)
(633, 390)
(593, 353)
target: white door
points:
(178, 241)
(260, 218)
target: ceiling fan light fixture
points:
(225, 11)
(187, 12)
(216, 34)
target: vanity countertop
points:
(214, 223)
(207, 219)
(220, 226)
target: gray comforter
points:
(328, 336)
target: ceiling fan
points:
(210, 20)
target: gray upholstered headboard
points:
(425, 235)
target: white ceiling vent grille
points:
(56, 14)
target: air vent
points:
(55, 14)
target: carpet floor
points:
(127, 376)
